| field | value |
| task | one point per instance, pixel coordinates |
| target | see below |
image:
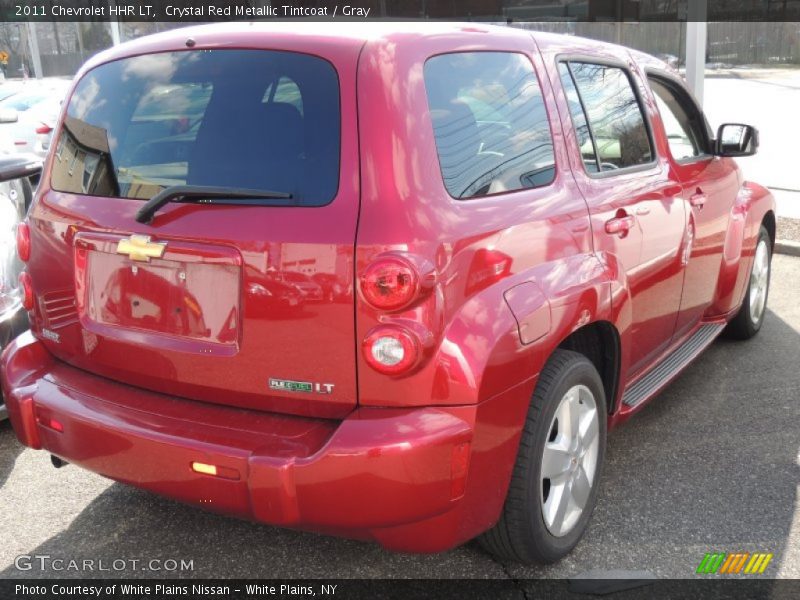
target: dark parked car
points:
(270, 297)
(541, 232)
(332, 288)
(312, 291)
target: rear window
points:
(254, 119)
(490, 123)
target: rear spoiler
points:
(19, 165)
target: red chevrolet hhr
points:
(523, 238)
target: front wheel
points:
(553, 488)
(750, 317)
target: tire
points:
(523, 533)
(750, 317)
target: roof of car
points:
(353, 31)
(233, 34)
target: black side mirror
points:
(15, 166)
(736, 139)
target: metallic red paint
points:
(420, 461)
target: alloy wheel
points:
(759, 282)
(569, 460)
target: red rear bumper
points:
(383, 474)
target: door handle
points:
(698, 200)
(620, 225)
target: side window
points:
(489, 122)
(684, 128)
(614, 115)
(585, 142)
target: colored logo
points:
(734, 564)
(287, 385)
(139, 247)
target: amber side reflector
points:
(215, 471)
(459, 467)
(204, 468)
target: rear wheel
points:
(750, 317)
(553, 488)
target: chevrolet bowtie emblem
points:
(139, 247)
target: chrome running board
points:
(672, 364)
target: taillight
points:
(44, 128)
(390, 350)
(23, 242)
(390, 283)
(26, 286)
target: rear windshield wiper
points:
(201, 194)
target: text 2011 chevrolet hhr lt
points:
(392, 282)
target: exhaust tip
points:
(58, 462)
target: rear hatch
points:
(200, 302)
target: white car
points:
(34, 127)
(28, 116)
(9, 89)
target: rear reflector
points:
(24, 242)
(52, 424)
(26, 285)
(215, 470)
(44, 128)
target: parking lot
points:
(710, 465)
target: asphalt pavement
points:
(712, 465)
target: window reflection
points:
(614, 116)
(255, 119)
(578, 119)
(83, 161)
(490, 125)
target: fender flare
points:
(753, 205)
(546, 304)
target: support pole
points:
(114, 25)
(114, 32)
(696, 38)
(33, 47)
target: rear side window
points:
(254, 119)
(584, 137)
(489, 122)
(619, 135)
